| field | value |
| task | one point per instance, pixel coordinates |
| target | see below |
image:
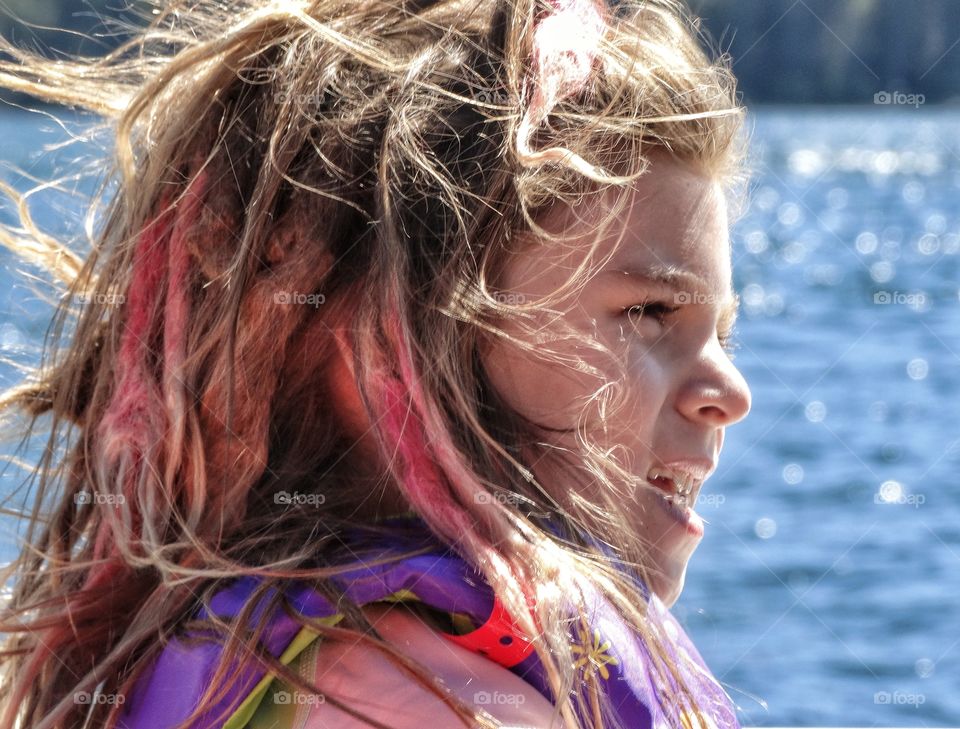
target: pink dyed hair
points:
(134, 421)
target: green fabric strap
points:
(241, 717)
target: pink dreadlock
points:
(406, 419)
(134, 423)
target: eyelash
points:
(664, 310)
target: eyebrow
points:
(672, 276)
(678, 279)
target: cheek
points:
(644, 377)
(548, 393)
(556, 394)
(647, 375)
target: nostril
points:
(713, 411)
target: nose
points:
(715, 391)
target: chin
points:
(671, 548)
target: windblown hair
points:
(382, 157)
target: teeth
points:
(683, 482)
(679, 499)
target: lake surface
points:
(827, 588)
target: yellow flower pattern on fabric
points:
(593, 653)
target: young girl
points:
(399, 365)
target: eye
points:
(659, 310)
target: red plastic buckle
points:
(499, 638)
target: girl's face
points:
(680, 389)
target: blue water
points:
(828, 584)
(827, 588)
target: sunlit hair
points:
(382, 156)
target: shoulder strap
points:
(306, 637)
(286, 710)
(172, 686)
(612, 658)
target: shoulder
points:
(365, 679)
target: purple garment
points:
(172, 686)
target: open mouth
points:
(678, 486)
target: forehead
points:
(673, 217)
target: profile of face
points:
(670, 253)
